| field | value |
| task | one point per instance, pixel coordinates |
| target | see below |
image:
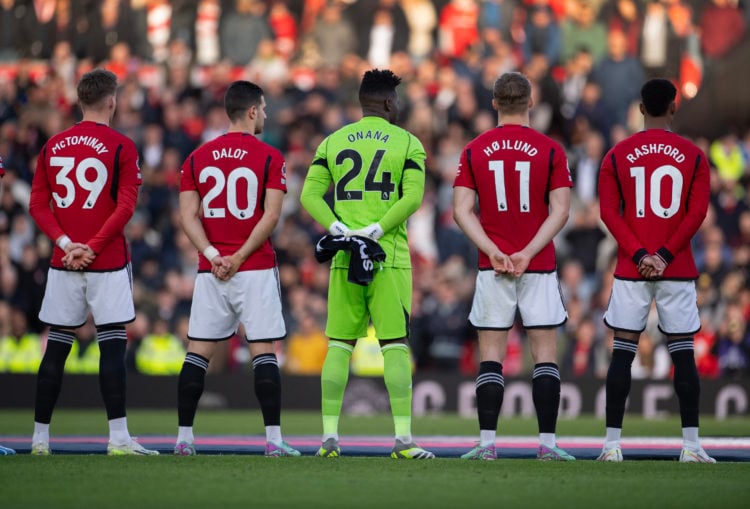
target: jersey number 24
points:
(385, 187)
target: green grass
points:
(310, 483)
(248, 481)
(210, 422)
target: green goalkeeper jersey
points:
(377, 172)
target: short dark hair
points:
(378, 83)
(656, 95)
(512, 91)
(95, 86)
(240, 97)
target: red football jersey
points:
(513, 168)
(85, 187)
(231, 174)
(654, 193)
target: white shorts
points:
(676, 304)
(537, 297)
(70, 296)
(251, 297)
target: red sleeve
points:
(560, 170)
(187, 179)
(696, 205)
(126, 199)
(276, 173)
(465, 174)
(610, 198)
(130, 173)
(39, 203)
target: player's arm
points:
(271, 214)
(464, 199)
(559, 210)
(39, 203)
(190, 204)
(610, 199)
(412, 192)
(316, 185)
(696, 208)
(127, 196)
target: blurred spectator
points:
(583, 30)
(458, 30)
(722, 26)
(160, 352)
(333, 35)
(242, 29)
(422, 19)
(542, 34)
(621, 76)
(306, 348)
(733, 344)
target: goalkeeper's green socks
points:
(397, 376)
(333, 379)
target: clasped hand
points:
(78, 256)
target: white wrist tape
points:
(63, 242)
(210, 252)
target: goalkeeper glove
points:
(339, 228)
(373, 231)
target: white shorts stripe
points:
(487, 378)
(546, 371)
(676, 346)
(265, 359)
(628, 346)
(536, 296)
(196, 361)
(60, 337)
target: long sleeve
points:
(39, 204)
(610, 201)
(697, 206)
(413, 191)
(113, 226)
(317, 182)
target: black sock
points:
(268, 387)
(618, 380)
(112, 374)
(686, 382)
(545, 390)
(490, 387)
(190, 387)
(49, 378)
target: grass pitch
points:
(247, 481)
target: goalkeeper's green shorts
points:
(386, 301)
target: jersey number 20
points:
(230, 184)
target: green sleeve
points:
(412, 183)
(316, 185)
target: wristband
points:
(210, 252)
(63, 242)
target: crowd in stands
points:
(586, 58)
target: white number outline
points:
(230, 184)
(666, 170)
(524, 178)
(94, 187)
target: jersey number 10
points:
(639, 174)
